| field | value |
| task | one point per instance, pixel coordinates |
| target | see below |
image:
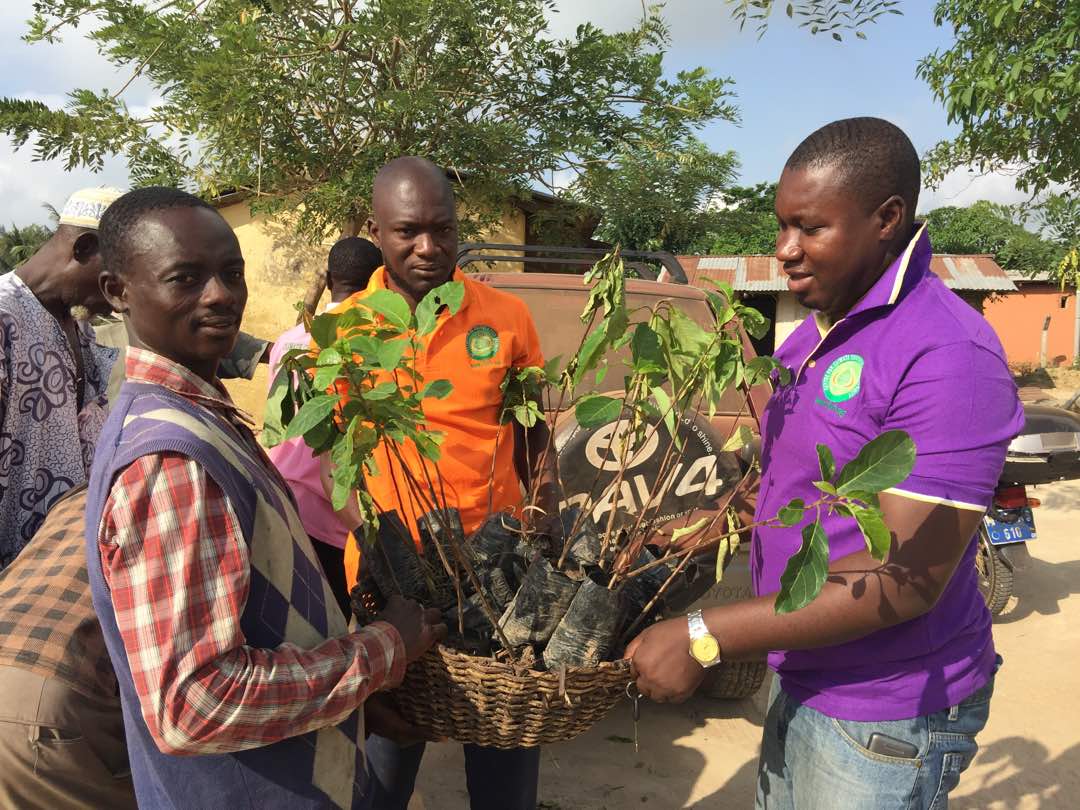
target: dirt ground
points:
(703, 754)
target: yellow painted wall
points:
(279, 268)
(510, 231)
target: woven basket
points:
(478, 700)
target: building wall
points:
(1018, 320)
(511, 231)
(789, 314)
(279, 268)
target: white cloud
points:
(691, 22)
(47, 73)
(962, 187)
(73, 61)
(26, 185)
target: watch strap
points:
(697, 625)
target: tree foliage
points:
(657, 200)
(1059, 216)
(360, 388)
(832, 17)
(987, 227)
(301, 101)
(684, 205)
(746, 224)
(1011, 81)
(19, 244)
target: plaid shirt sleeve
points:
(176, 562)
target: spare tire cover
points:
(699, 477)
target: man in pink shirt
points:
(351, 262)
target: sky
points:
(786, 85)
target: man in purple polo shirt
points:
(884, 680)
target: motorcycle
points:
(1047, 450)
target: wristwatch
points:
(704, 648)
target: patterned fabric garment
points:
(47, 620)
(247, 661)
(46, 443)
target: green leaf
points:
(722, 551)
(527, 414)
(589, 353)
(667, 409)
(825, 487)
(870, 498)
(883, 462)
(594, 410)
(739, 439)
(353, 317)
(793, 513)
(826, 462)
(320, 437)
(329, 357)
(325, 376)
(729, 546)
(646, 350)
(450, 295)
(428, 443)
(760, 368)
(723, 311)
(437, 389)
(725, 289)
(389, 353)
(393, 308)
(755, 324)
(551, 369)
(688, 334)
(324, 329)
(315, 411)
(278, 410)
(366, 346)
(340, 495)
(875, 532)
(346, 478)
(383, 390)
(693, 528)
(806, 571)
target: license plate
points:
(1021, 531)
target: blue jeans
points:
(813, 762)
(497, 779)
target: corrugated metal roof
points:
(764, 273)
(1041, 277)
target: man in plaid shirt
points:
(221, 627)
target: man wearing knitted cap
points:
(53, 373)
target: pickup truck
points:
(707, 474)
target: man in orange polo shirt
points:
(483, 464)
